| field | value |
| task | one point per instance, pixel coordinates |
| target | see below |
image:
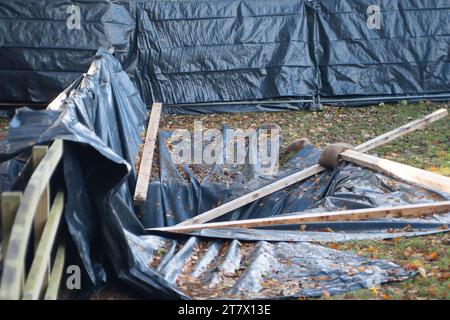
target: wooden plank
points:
(13, 268)
(41, 215)
(309, 172)
(56, 274)
(10, 205)
(145, 167)
(401, 131)
(255, 195)
(413, 210)
(39, 267)
(417, 176)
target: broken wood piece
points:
(309, 172)
(145, 167)
(405, 211)
(423, 178)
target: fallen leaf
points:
(407, 252)
(422, 273)
(432, 291)
(372, 249)
(374, 291)
(433, 256)
(325, 294)
(444, 275)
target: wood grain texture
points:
(414, 210)
(423, 178)
(145, 167)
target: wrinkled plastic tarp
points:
(190, 52)
(101, 121)
(254, 270)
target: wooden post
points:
(412, 210)
(43, 208)
(10, 205)
(145, 167)
(311, 171)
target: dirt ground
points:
(427, 149)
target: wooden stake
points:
(413, 210)
(10, 205)
(43, 208)
(145, 167)
(311, 171)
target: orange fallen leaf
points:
(411, 266)
(433, 256)
(432, 291)
(333, 246)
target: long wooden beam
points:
(406, 211)
(145, 167)
(417, 176)
(311, 171)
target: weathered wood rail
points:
(31, 232)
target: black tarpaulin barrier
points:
(195, 52)
(40, 55)
(101, 118)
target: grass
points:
(430, 256)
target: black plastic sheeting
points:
(101, 118)
(258, 270)
(193, 52)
